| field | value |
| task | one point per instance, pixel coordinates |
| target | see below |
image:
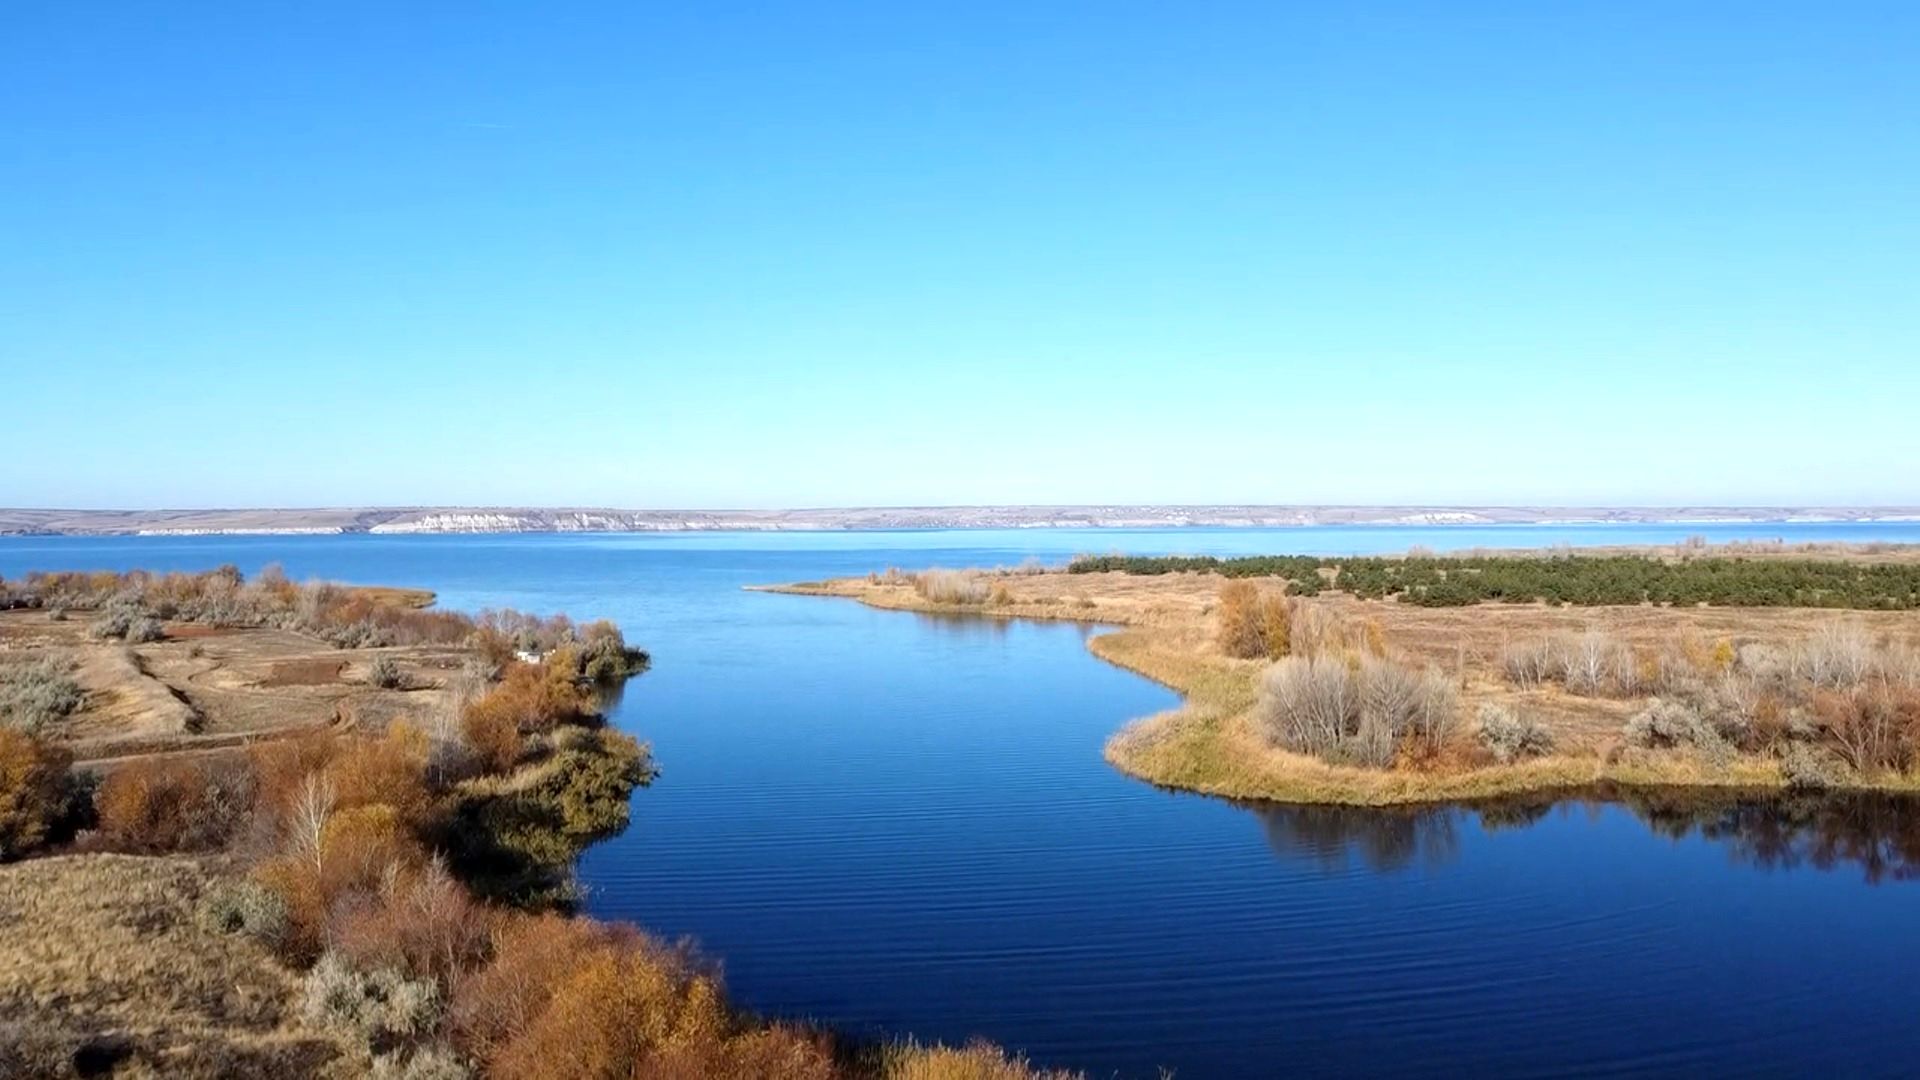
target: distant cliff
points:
(443, 519)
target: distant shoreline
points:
(451, 520)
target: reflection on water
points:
(1877, 833)
(1381, 839)
(961, 624)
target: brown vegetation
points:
(36, 793)
(1253, 622)
(1546, 697)
(398, 865)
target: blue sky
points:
(784, 255)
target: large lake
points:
(895, 823)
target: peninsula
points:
(1422, 678)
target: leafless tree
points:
(312, 809)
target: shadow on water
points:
(1877, 833)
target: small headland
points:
(1422, 678)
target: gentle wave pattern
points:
(899, 824)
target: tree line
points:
(1583, 580)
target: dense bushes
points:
(157, 805)
(515, 838)
(1511, 736)
(1576, 579)
(530, 699)
(39, 798)
(598, 651)
(36, 693)
(1252, 623)
(384, 672)
(1361, 711)
(1854, 699)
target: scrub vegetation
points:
(1397, 680)
(387, 897)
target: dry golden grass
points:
(205, 689)
(1210, 743)
(978, 1061)
(102, 960)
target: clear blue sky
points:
(778, 255)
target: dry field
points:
(104, 967)
(205, 689)
(1211, 743)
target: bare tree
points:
(312, 809)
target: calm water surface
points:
(898, 823)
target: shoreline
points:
(449, 520)
(1208, 745)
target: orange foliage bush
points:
(421, 922)
(1253, 623)
(572, 998)
(387, 771)
(529, 699)
(494, 736)
(362, 849)
(34, 791)
(281, 766)
(153, 806)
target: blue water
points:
(895, 823)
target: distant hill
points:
(449, 519)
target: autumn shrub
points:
(384, 672)
(35, 693)
(1671, 724)
(245, 907)
(493, 736)
(143, 629)
(38, 796)
(421, 922)
(531, 955)
(1359, 713)
(1251, 622)
(1315, 630)
(605, 656)
(1511, 736)
(352, 854)
(1808, 768)
(516, 838)
(378, 1009)
(388, 770)
(1874, 729)
(610, 1002)
(155, 805)
(285, 772)
(1595, 663)
(536, 697)
(1834, 656)
(113, 622)
(427, 1062)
